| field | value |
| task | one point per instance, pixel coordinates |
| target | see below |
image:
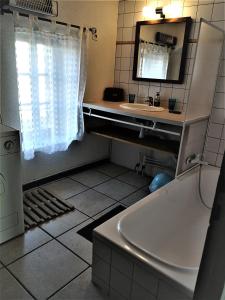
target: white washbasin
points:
(139, 106)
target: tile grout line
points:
(36, 248)
(67, 283)
(20, 282)
(55, 239)
(15, 260)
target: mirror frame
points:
(188, 22)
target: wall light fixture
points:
(172, 10)
(159, 11)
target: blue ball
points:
(159, 181)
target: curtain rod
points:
(93, 30)
(143, 41)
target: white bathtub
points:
(164, 233)
(170, 225)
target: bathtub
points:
(165, 232)
(171, 225)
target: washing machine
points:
(11, 199)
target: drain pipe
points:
(211, 276)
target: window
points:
(51, 82)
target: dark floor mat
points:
(41, 206)
(86, 232)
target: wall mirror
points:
(160, 50)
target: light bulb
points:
(149, 12)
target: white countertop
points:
(162, 117)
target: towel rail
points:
(153, 128)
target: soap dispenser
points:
(157, 99)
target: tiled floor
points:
(53, 260)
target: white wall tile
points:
(215, 130)
(153, 90)
(119, 34)
(139, 4)
(138, 17)
(166, 93)
(146, 279)
(117, 63)
(126, 50)
(167, 292)
(210, 157)
(190, 2)
(120, 21)
(204, 11)
(132, 55)
(218, 116)
(139, 293)
(178, 94)
(222, 68)
(218, 12)
(125, 63)
(128, 34)
(133, 88)
(222, 147)
(129, 6)
(223, 133)
(219, 100)
(131, 78)
(128, 20)
(205, 2)
(114, 295)
(121, 7)
(124, 76)
(117, 76)
(121, 263)
(118, 50)
(212, 145)
(104, 287)
(220, 85)
(219, 160)
(124, 86)
(120, 283)
(223, 51)
(101, 269)
(102, 250)
(190, 11)
(143, 90)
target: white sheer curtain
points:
(153, 61)
(51, 73)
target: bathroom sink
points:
(139, 106)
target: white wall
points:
(103, 15)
